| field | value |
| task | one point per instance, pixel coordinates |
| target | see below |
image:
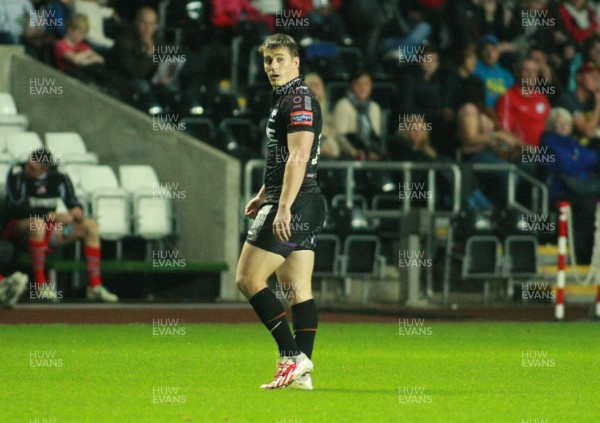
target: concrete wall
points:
(119, 134)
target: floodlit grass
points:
(442, 372)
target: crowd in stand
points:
(474, 81)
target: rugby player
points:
(289, 211)
(42, 212)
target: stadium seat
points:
(520, 259)
(7, 105)
(335, 91)
(520, 256)
(361, 258)
(4, 168)
(135, 178)
(153, 217)
(351, 58)
(244, 132)
(10, 121)
(384, 93)
(21, 144)
(482, 260)
(201, 128)
(68, 147)
(109, 202)
(152, 205)
(327, 258)
(259, 101)
(72, 171)
(152, 208)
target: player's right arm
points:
(254, 204)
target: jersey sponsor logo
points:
(303, 117)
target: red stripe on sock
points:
(275, 318)
(92, 259)
(37, 251)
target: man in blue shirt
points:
(495, 78)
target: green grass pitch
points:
(448, 372)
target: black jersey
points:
(26, 197)
(295, 108)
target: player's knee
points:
(91, 226)
(242, 282)
(37, 228)
(248, 286)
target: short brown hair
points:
(277, 41)
(79, 21)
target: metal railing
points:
(539, 191)
(407, 168)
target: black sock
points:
(304, 316)
(272, 314)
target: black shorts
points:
(308, 216)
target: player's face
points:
(34, 170)
(280, 66)
(362, 87)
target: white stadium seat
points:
(152, 208)
(7, 105)
(21, 144)
(110, 203)
(138, 177)
(10, 121)
(4, 168)
(152, 217)
(68, 147)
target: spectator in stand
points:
(15, 21)
(454, 82)
(412, 143)
(334, 145)
(483, 141)
(96, 14)
(584, 103)
(73, 55)
(496, 79)
(590, 52)
(570, 177)
(403, 33)
(133, 60)
(423, 95)
(229, 13)
(536, 23)
(523, 109)
(59, 12)
(464, 19)
(578, 18)
(497, 19)
(359, 118)
(549, 82)
(325, 22)
(457, 77)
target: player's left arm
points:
(299, 146)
